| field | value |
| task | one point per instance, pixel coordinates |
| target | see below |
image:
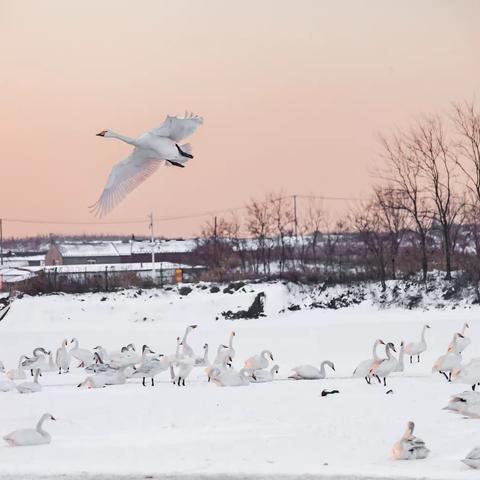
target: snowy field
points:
(282, 429)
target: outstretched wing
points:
(178, 128)
(124, 177)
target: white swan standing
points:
(30, 387)
(30, 436)
(150, 367)
(385, 367)
(409, 447)
(260, 361)
(223, 351)
(84, 356)
(150, 150)
(416, 348)
(462, 342)
(473, 458)
(363, 368)
(448, 362)
(187, 349)
(39, 360)
(400, 366)
(309, 372)
(63, 358)
(469, 373)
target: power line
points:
(170, 218)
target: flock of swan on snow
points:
(116, 367)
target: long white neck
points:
(177, 352)
(400, 356)
(375, 355)
(39, 428)
(20, 361)
(205, 355)
(75, 343)
(37, 372)
(423, 333)
(230, 343)
(465, 326)
(322, 369)
(389, 352)
(187, 331)
(123, 138)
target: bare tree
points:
(407, 192)
(393, 221)
(437, 158)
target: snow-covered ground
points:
(281, 429)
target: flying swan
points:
(160, 145)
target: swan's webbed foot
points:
(182, 153)
(176, 164)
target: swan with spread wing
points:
(152, 149)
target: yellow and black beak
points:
(102, 133)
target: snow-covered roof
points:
(12, 275)
(114, 249)
(116, 267)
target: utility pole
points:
(1, 242)
(215, 240)
(153, 246)
(295, 215)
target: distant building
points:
(174, 251)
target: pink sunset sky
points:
(294, 95)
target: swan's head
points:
(205, 346)
(233, 334)
(270, 355)
(104, 133)
(131, 347)
(48, 416)
(146, 349)
(72, 340)
(427, 326)
(65, 342)
(391, 346)
(192, 327)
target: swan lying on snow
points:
(309, 372)
(466, 403)
(158, 146)
(258, 362)
(262, 376)
(231, 378)
(416, 348)
(30, 436)
(473, 458)
(30, 387)
(409, 447)
(17, 373)
(7, 385)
